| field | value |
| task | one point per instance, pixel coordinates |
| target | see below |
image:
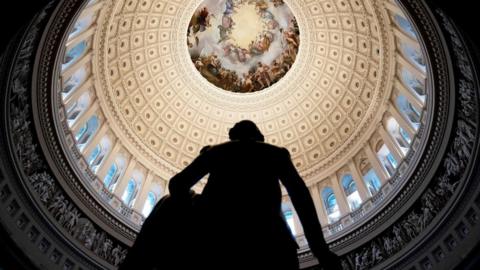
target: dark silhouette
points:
(236, 223)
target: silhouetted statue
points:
(237, 222)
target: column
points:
(122, 184)
(340, 196)
(165, 187)
(392, 146)
(372, 158)
(144, 190)
(317, 200)
(358, 178)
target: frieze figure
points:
(376, 254)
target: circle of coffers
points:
(164, 108)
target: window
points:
(74, 54)
(114, 173)
(405, 25)
(94, 155)
(398, 134)
(413, 83)
(410, 113)
(87, 132)
(73, 82)
(350, 188)
(130, 193)
(78, 108)
(81, 25)
(149, 204)
(98, 154)
(413, 55)
(331, 206)
(405, 136)
(372, 182)
(111, 177)
(387, 160)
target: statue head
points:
(246, 130)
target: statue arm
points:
(180, 184)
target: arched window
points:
(98, 154)
(413, 84)
(350, 188)
(372, 181)
(130, 193)
(114, 172)
(94, 155)
(78, 108)
(149, 204)
(74, 54)
(87, 132)
(405, 25)
(408, 111)
(74, 81)
(81, 25)
(387, 160)
(108, 181)
(413, 55)
(398, 134)
(330, 202)
(405, 135)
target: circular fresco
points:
(243, 45)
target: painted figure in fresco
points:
(274, 43)
(199, 22)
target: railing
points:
(354, 217)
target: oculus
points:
(243, 45)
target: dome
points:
(126, 93)
(348, 108)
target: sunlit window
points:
(74, 81)
(399, 135)
(129, 193)
(408, 111)
(109, 180)
(330, 202)
(405, 25)
(372, 182)
(350, 188)
(86, 132)
(149, 204)
(78, 108)
(81, 25)
(387, 160)
(413, 84)
(74, 54)
(413, 55)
